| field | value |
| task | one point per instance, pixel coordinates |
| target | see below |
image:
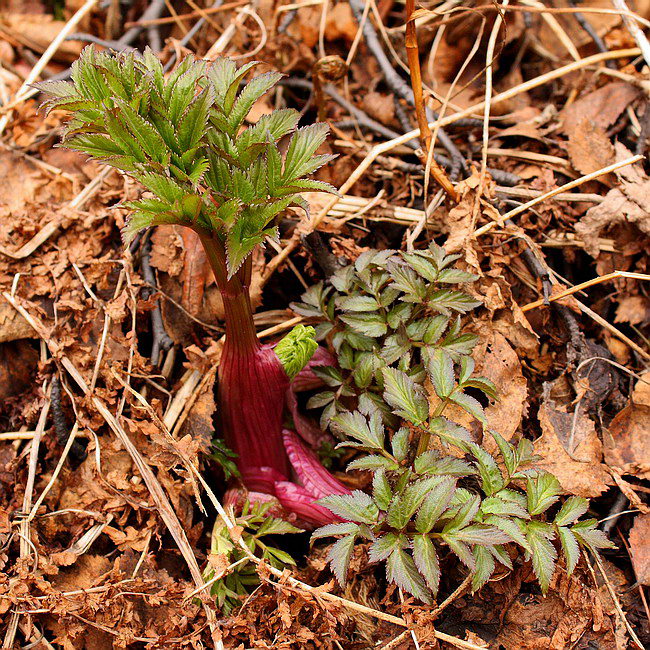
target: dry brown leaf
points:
(640, 548)
(199, 423)
(379, 106)
(625, 204)
(522, 130)
(570, 615)
(633, 309)
(589, 147)
(602, 24)
(196, 272)
(641, 392)
(21, 182)
(340, 23)
(627, 447)
(38, 31)
(167, 250)
(12, 325)
(600, 107)
(501, 365)
(581, 472)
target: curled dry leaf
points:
(625, 204)
(627, 447)
(501, 365)
(640, 549)
(579, 469)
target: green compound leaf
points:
(544, 555)
(383, 546)
(373, 324)
(469, 404)
(381, 490)
(573, 508)
(543, 491)
(426, 561)
(441, 370)
(357, 506)
(434, 504)
(372, 462)
(570, 548)
(345, 528)
(404, 505)
(405, 396)
(339, 557)
(368, 432)
(400, 443)
(589, 535)
(485, 566)
(401, 570)
(187, 127)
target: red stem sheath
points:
(252, 381)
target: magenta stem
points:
(252, 381)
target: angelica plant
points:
(184, 138)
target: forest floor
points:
(552, 212)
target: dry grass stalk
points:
(563, 188)
(589, 283)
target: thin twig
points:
(161, 340)
(496, 28)
(61, 426)
(584, 285)
(413, 54)
(393, 79)
(563, 188)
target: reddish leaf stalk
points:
(252, 381)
